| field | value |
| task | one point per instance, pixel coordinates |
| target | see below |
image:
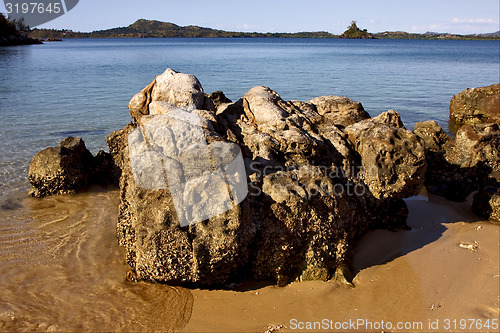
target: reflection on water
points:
(62, 270)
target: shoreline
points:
(407, 276)
(404, 276)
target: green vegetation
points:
(156, 29)
(14, 32)
(353, 32)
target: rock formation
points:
(475, 106)
(471, 163)
(69, 168)
(214, 192)
(318, 176)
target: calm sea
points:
(82, 87)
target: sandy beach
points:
(413, 278)
(64, 271)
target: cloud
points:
(458, 25)
(469, 20)
(248, 27)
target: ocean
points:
(81, 87)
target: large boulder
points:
(392, 157)
(477, 105)
(304, 202)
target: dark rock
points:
(477, 105)
(466, 166)
(70, 168)
(218, 98)
(61, 170)
(486, 202)
(105, 171)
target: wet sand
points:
(62, 270)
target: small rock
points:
(469, 246)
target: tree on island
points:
(353, 32)
(14, 32)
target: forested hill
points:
(147, 28)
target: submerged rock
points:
(185, 218)
(477, 105)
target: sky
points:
(454, 16)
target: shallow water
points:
(63, 270)
(82, 87)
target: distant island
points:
(155, 29)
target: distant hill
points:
(435, 35)
(156, 29)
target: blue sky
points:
(455, 16)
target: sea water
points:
(81, 87)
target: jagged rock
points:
(476, 145)
(477, 105)
(61, 170)
(181, 90)
(433, 136)
(340, 110)
(392, 157)
(307, 200)
(138, 105)
(467, 165)
(218, 98)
